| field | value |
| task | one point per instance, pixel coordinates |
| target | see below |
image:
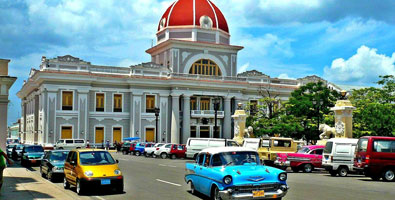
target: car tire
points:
(332, 172)
(123, 152)
(173, 156)
(163, 155)
(308, 168)
(295, 169)
(342, 171)
(215, 193)
(66, 184)
(138, 153)
(389, 175)
(79, 187)
(192, 187)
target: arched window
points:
(205, 67)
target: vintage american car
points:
(234, 173)
(306, 159)
(52, 164)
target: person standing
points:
(108, 145)
(3, 157)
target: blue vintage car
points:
(234, 173)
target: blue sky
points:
(347, 42)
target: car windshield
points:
(235, 158)
(304, 150)
(362, 145)
(34, 149)
(328, 147)
(59, 156)
(19, 147)
(11, 146)
(96, 158)
(159, 145)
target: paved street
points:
(150, 178)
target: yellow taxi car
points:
(91, 168)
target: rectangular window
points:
(117, 102)
(193, 103)
(205, 104)
(150, 103)
(253, 107)
(99, 102)
(382, 146)
(67, 100)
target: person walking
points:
(3, 157)
(108, 145)
(87, 144)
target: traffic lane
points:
(320, 185)
(153, 178)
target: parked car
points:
(177, 151)
(375, 156)
(70, 144)
(52, 164)
(306, 159)
(276, 145)
(234, 173)
(338, 156)
(163, 151)
(195, 145)
(149, 151)
(9, 148)
(140, 148)
(125, 148)
(17, 151)
(12, 140)
(32, 154)
(132, 147)
(92, 168)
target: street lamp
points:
(216, 102)
(157, 110)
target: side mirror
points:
(117, 161)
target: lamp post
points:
(157, 110)
(216, 102)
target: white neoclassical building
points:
(192, 65)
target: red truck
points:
(375, 156)
(306, 159)
(177, 151)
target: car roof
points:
(343, 140)
(215, 150)
(32, 145)
(59, 150)
(87, 150)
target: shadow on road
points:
(12, 190)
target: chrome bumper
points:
(280, 163)
(226, 194)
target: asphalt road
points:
(155, 178)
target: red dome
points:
(189, 13)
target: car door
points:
(198, 171)
(68, 166)
(206, 174)
(73, 170)
(317, 159)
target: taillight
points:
(157, 149)
(367, 159)
(331, 158)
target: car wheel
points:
(192, 187)
(173, 156)
(163, 155)
(145, 154)
(307, 168)
(215, 194)
(389, 175)
(342, 171)
(138, 153)
(60, 148)
(79, 188)
(66, 185)
(295, 169)
(332, 172)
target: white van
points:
(195, 145)
(338, 156)
(70, 144)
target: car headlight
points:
(282, 176)
(227, 180)
(117, 172)
(88, 173)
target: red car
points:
(306, 159)
(177, 151)
(375, 156)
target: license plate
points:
(105, 181)
(259, 193)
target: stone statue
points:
(327, 131)
(249, 131)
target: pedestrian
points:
(87, 144)
(3, 157)
(119, 146)
(108, 145)
(115, 144)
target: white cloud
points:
(243, 68)
(267, 45)
(362, 68)
(285, 76)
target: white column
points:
(82, 115)
(186, 124)
(227, 119)
(175, 119)
(131, 119)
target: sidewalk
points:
(22, 184)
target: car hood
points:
(34, 154)
(251, 174)
(101, 170)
